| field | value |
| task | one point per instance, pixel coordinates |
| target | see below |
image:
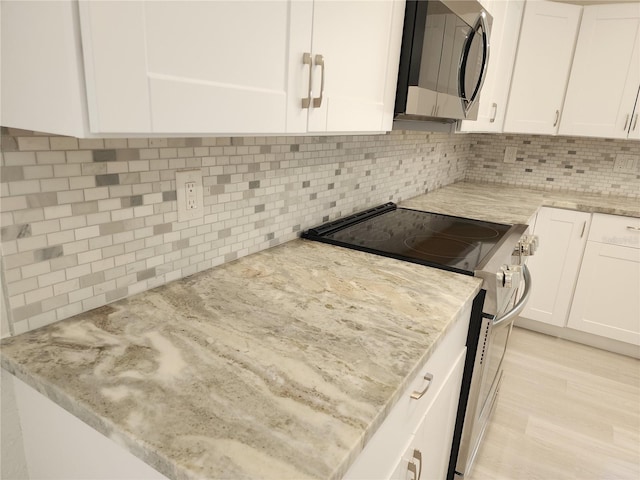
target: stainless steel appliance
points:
(443, 61)
(491, 251)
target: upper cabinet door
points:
(192, 67)
(606, 73)
(356, 48)
(507, 17)
(543, 63)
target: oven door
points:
(487, 374)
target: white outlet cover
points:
(195, 202)
(510, 154)
(626, 163)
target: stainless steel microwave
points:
(443, 60)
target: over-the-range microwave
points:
(443, 61)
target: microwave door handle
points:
(481, 23)
(515, 311)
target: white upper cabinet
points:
(360, 45)
(543, 63)
(241, 67)
(42, 73)
(190, 67)
(605, 77)
(505, 29)
(201, 67)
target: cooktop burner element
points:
(453, 243)
(438, 246)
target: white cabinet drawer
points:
(382, 451)
(615, 230)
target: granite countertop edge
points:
(72, 401)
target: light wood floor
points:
(565, 412)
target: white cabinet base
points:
(59, 446)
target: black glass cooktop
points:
(454, 243)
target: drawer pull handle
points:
(633, 229)
(418, 395)
(412, 468)
(306, 60)
(319, 60)
(584, 225)
(417, 454)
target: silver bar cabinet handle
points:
(412, 468)
(635, 123)
(319, 60)
(417, 454)
(494, 107)
(306, 60)
(584, 225)
(418, 395)
(633, 229)
(626, 121)
(555, 122)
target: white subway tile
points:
(57, 211)
(24, 187)
(66, 286)
(98, 193)
(37, 172)
(63, 143)
(38, 295)
(87, 232)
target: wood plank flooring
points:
(566, 411)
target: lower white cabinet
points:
(607, 297)
(554, 266)
(37, 452)
(424, 425)
(586, 279)
(429, 450)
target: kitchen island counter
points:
(511, 204)
(278, 365)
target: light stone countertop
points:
(508, 204)
(277, 365)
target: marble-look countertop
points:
(279, 365)
(509, 204)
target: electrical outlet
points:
(510, 154)
(626, 163)
(189, 195)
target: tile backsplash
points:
(554, 163)
(89, 221)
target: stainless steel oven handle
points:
(515, 311)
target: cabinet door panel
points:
(606, 302)
(542, 66)
(435, 436)
(606, 72)
(355, 70)
(507, 17)
(555, 265)
(191, 67)
(115, 66)
(217, 66)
